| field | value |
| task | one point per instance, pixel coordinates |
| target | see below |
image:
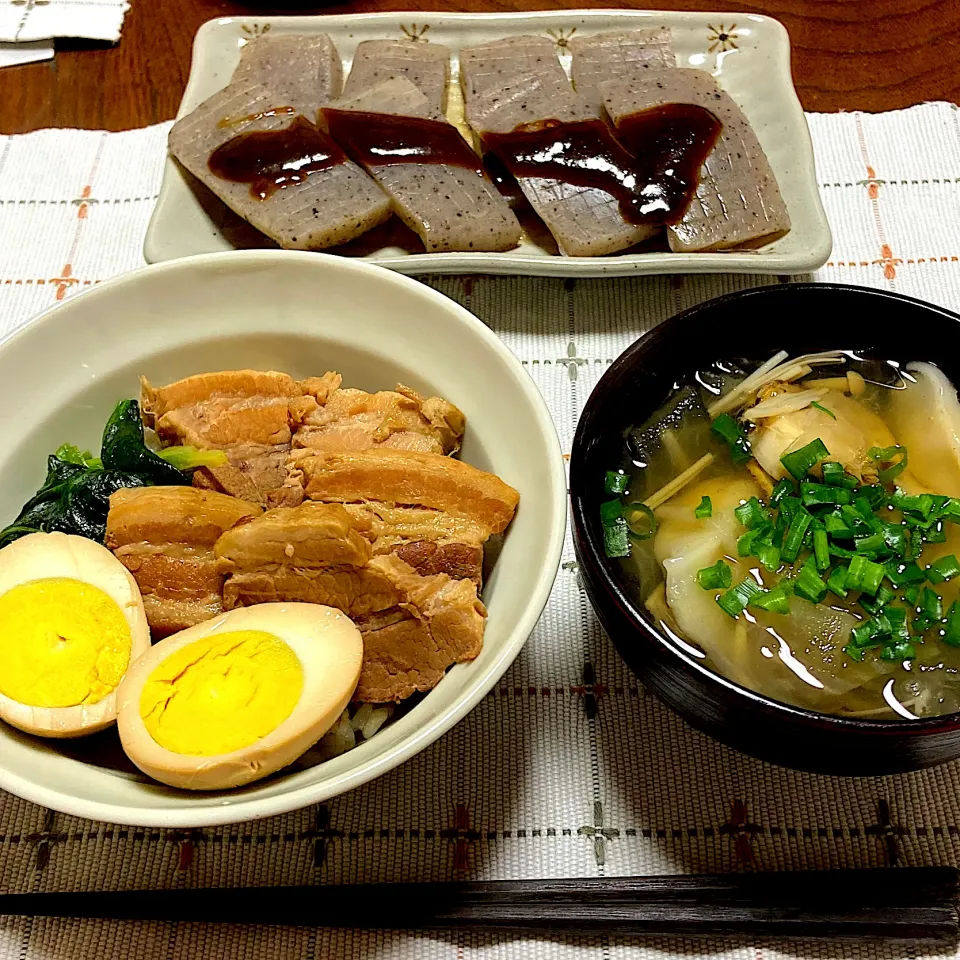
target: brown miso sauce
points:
(380, 140)
(270, 160)
(671, 142)
(653, 182)
(250, 117)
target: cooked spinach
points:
(75, 497)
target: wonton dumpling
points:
(848, 437)
(804, 663)
(925, 416)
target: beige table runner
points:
(568, 768)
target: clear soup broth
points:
(796, 526)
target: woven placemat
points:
(568, 768)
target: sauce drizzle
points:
(270, 160)
(653, 174)
(381, 139)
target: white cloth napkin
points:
(26, 20)
(568, 768)
(31, 51)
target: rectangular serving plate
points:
(749, 55)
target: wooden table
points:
(847, 55)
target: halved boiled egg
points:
(238, 697)
(71, 623)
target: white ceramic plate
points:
(302, 313)
(749, 55)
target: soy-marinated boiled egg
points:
(231, 700)
(71, 623)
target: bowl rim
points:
(255, 808)
(629, 611)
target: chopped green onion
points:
(896, 617)
(734, 601)
(865, 508)
(823, 409)
(800, 462)
(785, 487)
(946, 568)
(836, 476)
(641, 523)
(774, 601)
(751, 514)
(911, 593)
(789, 506)
(922, 504)
(951, 511)
(821, 546)
(616, 481)
(610, 512)
(808, 585)
(836, 526)
(795, 533)
(870, 545)
(874, 606)
(729, 430)
(866, 634)
(895, 457)
(837, 582)
(705, 510)
(616, 543)
(864, 575)
(895, 538)
(747, 543)
(852, 652)
(813, 494)
(717, 577)
(929, 610)
(769, 556)
(837, 551)
(936, 533)
(902, 650)
(899, 573)
(875, 496)
(951, 634)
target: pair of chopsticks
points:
(904, 904)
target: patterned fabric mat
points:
(568, 768)
(27, 20)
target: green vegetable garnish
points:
(616, 481)
(705, 510)
(864, 574)
(800, 462)
(808, 585)
(717, 577)
(775, 601)
(815, 494)
(894, 457)
(946, 568)
(836, 476)
(734, 601)
(823, 409)
(190, 458)
(75, 497)
(641, 523)
(616, 541)
(730, 431)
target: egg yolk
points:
(221, 693)
(63, 642)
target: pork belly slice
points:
(410, 478)
(519, 81)
(350, 419)
(622, 54)
(738, 202)
(300, 71)
(425, 65)
(450, 205)
(328, 207)
(429, 540)
(408, 649)
(250, 416)
(165, 537)
(414, 626)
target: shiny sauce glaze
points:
(381, 139)
(225, 122)
(270, 160)
(653, 174)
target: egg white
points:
(41, 556)
(330, 649)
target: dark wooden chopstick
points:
(918, 903)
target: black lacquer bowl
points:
(799, 318)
